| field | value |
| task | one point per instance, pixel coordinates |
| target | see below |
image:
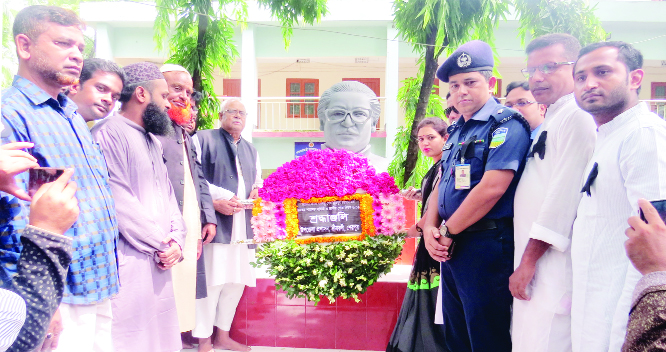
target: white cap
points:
(172, 67)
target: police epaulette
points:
(505, 114)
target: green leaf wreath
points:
(342, 269)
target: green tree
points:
(203, 37)
(408, 96)
(575, 17)
(435, 27)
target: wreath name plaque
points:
(337, 217)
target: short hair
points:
(569, 42)
(517, 84)
(348, 86)
(197, 96)
(32, 20)
(630, 56)
(436, 123)
(90, 66)
(223, 106)
(486, 74)
(626, 53)
(129, 89)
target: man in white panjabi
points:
(546, 200)
(629, 154)
(348, 112)
(231, 167)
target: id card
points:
(463, 178)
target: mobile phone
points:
(41, 175)
(660, 205)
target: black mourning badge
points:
(540, 146)
(590, 179)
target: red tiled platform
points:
(265, 317)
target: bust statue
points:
(348, 112)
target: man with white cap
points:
(191, 191)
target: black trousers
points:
(476, 300)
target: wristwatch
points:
(444, 231)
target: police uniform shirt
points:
(491, 131)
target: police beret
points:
(471, 56)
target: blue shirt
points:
(511, 140)
(62, 140)
(535, 132)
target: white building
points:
(357, 41)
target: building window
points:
(302, 87)
(658, 93)
(372, 83)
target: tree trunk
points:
(422, 104)
(201, 45)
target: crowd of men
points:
(532, 210)
(129, 249)
(114, 260)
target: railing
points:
(657, 106)
(294, 114)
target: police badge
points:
(464, 60)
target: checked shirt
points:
(62, 140)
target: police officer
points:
(482, 162)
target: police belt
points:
(489, 224)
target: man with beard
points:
(191, 190)
(152, 230)
(49, 43)
(98, 89)
(627, 164)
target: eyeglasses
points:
(357, 115)
(234, 112)
(546, 69)
(449, 110)
(519, 103)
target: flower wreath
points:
(332, 265)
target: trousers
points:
(86, 328)
(217, 309)
(476, 301)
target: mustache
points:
(591, 92)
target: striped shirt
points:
(12, 316)
(62, 139)
(630, 154)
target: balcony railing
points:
(299, 114)
(294, 114)
(657, 106)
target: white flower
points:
(363, 261)
(329, 264)
(350, 270)
(323, 283)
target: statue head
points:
(348, 112)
